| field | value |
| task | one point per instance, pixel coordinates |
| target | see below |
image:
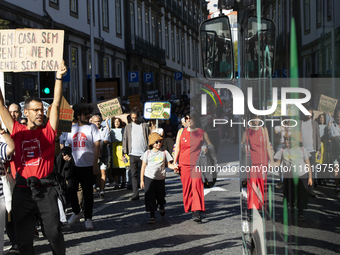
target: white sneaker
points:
(101, 194)
(75, 218)
(88, 224)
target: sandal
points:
(152, 221)
(301, 218)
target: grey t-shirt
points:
(137, 140)
(293, 160)
(307, 135)
(155, 163)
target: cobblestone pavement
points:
(120, 226)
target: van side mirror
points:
(217, 49)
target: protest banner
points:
(110, 108)
(31, 50)
(157, 110)
(327, 104)
(152, 95)
(65, 116)
(107, 88)
(134, 102)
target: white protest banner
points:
(31, 50)
(110, 108)
(327, 104)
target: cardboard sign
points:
(134, 101)
(327, 104)
(157, 110)
(110, 108)
(65, 116)
(31, 50)
(107, 89)
(123, 117)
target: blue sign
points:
(67, 76)
(133, 77)
(89, 76)
(276, 74)
(148, 77)
(284, 73)
(178, 76)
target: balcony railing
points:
(146, 49)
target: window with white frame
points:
(160, 34)
(167, 39)
(307, 15)
(183, 49)
(318, 13)
(118, 18)
(320, 69)
(54, 4)
(330, 58)
(178, 46)
(74, 6)
(140, 23)
(74, 76)
(173, 43)
(105, 6)
(106, 67)
(193, 54)
(153, 29)
(88, 12)
(132, 17)
(119, 69)
(188, 51)
(89, 62)
(147, 26)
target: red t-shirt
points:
(34, 150)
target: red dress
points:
(190, 146)
(257, 178)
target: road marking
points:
(207, 191)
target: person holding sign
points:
(34, 195)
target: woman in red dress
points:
(257, 144)
(187, 149)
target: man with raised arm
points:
(34, 195)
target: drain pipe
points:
(47, 14)
(100, 29)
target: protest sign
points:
(31, 50)
(65, 116)
(134, 101)
(110, 108)
(157, 110)
(107, 88)
(327, 104)
(152, 95)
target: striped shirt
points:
(4, 158)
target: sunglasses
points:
(187, 118)
(159, 141)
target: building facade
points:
(154, 38)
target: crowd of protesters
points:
(130, 152)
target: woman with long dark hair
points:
(187, 149)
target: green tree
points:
(235, 56)
(4, 24)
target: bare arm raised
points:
(58, 92)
